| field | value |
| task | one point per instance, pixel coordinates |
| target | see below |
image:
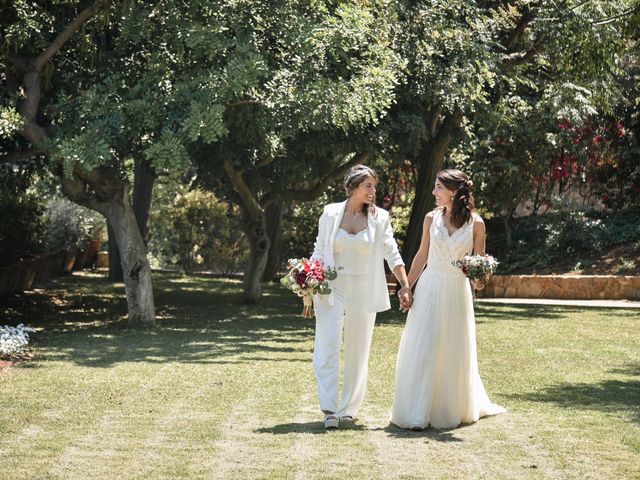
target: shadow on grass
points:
(541, 312)
(612, 395)
(437, 435)
(491, 313)
(318, 427)
(308, 427)
(200, 320)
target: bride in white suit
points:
(356, 236)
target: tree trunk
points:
(256, 230)
(115, 266)
(431, 159)
(104, 191)
(135, 265)
(273, 218)
(143, 180)
(507, 230)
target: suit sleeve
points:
(319, 245)
(391, 253)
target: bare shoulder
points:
(478, 223)
(428, 218)
(477, 219)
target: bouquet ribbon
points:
(307, 309)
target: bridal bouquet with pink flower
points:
(477, 267)
(307, 277)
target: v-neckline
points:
(444, 227)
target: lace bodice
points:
(445, 248)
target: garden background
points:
(197, 142)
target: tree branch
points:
(584, 2)
(34, 133)
(32, 73)
(19, 62)
(604, 21)
(242, 102)
(264, 162)
(77, 190)
(240, 185)
(333, 176)
(19, 155)
(523, 22)
(520, 58)
(436, 118)
(56, 45)
(449, 124)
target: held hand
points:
(477, 284)
(406, 298)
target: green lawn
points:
(223, 390)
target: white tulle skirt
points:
(437, 379)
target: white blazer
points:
(383, 247)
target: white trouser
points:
(350, 294)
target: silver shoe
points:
(331, 421)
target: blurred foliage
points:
(194, 230)
(288, 90)
(71, 226)
(23, 229)
(543, 240)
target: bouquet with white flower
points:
(306, 278)
(477, 267)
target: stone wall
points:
(570, 287)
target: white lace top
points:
(351, 252)
(445, 248)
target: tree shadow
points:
(82, 319)
(611, 395)
(520, 312)
(490, 313)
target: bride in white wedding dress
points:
(437, 379)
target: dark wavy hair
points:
(354, 177)
(463, 204)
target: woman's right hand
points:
(406, 298)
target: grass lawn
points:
(225, 391)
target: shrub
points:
(542, 240)
(197, 230)
(23, 228)
(300, 228)
(400, 216)
(573, 232)
(71, 226)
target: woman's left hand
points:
(478, 284)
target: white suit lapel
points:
(333, 225)
(371, 226)
(338, 219)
